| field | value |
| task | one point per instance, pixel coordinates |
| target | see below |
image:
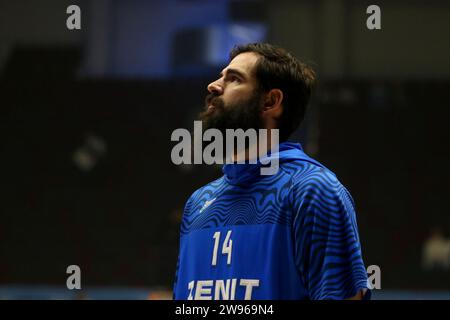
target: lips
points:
(212, 101)
(213, 104)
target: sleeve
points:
(186, 211)
(174, 293)
(327, 247)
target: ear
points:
(273, 103)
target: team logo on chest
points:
(207, 204)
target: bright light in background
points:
(222, 38)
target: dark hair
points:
(277, 68)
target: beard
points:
(244, 114)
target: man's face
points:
(234, 100)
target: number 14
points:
(226, 248)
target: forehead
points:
(245, 63)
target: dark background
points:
(114, 91)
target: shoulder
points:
(198, 197)
(313, 183)
(309, 174)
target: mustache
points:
(214, 100)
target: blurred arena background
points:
(86, 116)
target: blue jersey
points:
(291, 235)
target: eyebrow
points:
(235, 72)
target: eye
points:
(235, 79)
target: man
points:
(290, 235)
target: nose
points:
(215, 87)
